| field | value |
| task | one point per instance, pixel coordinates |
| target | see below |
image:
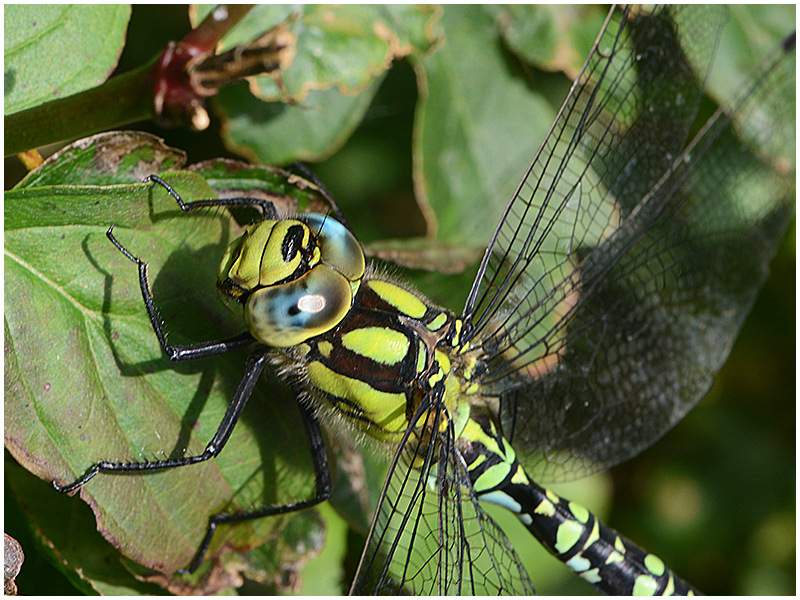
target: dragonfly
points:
(606, 301)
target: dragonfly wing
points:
(611, 142)
(430, 535)
(620, 275)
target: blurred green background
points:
(715, 498)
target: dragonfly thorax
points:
(390, 352)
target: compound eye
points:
(338, 247)
(268, 252)
(289, 314)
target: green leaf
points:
(93, 383)
(342, 53)
(65, 527)
(336, 46)
(55, 50)
(552, 37)
(474, 104)
(124, 157)
(427, 253)
(278, 133)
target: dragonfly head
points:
(294, 278)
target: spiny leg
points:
(176, 352)
(267, 208)
(181, 353)
(255, 364)
(253, 369)
(322, 475)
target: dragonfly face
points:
(294, 283)
(606, 301)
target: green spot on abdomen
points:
(569, 533)
(580, 512)
(644, 586)
(654, 564)
(492, 477)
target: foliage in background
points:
(715, 499)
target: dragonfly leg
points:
(319, 458)
(175, 352)
(267, 208)
(255, 365)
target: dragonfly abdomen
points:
(597, 553)
(594, 551)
